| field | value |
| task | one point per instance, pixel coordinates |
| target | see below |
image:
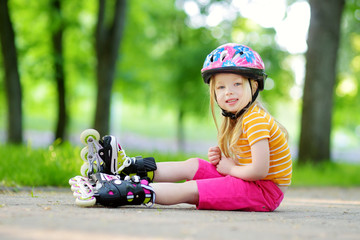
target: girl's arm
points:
(256, 171)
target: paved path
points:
(306, 213)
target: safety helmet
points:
(235, 58)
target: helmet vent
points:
(223, 55)
(237, 55)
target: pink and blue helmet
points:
(235, 58)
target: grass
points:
(327, 174)
(23, 165)
(27, 166)
(53, 166)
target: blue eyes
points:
(235, 84)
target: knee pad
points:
(113, 192)
(142, 167)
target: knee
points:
(192, 164)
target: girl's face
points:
(232, 91)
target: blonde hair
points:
(230, 130)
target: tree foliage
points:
(347, 89)
(157, 64)
(176, 53)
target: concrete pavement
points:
(306, 213)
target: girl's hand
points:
(225, 166)
(214, 155)
(257, 170)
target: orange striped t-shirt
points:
(257, 125)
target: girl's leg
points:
(176, 171)
(174, 193)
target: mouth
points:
(232, 100)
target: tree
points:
(57, 38)
(321, 62)
(163, 56)
(347, 97)
(162, 61)
(186, 91)
(109, 34)
(12, 77)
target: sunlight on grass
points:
(326, 174)
(25, 166)
(56, 164)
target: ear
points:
(255, 86)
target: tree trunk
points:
(57, 36)
(180, 131)
(12, 78)
(321, 58)
(108, 37)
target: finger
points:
(214, 149)
(215, 162)
(214, 155)
(213, 159)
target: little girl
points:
(251, 167)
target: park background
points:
(132, 69)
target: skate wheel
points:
(84, 153)
(85, 168)
(76, 179)
(74, 188)
(84, 136)
(76, 193)
(87, 202)
(72, 181)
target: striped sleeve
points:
(256, 127)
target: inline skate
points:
(106, 156)
(111, 191)
(108, 173)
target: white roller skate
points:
(100, 155)
(106, 156)
(110, 190)
(82, 188)
(106, 164)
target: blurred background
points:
(132, 69)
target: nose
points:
(228, 91)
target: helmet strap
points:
(234, 116)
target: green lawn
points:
(53, 166)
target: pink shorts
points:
(220, 192)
